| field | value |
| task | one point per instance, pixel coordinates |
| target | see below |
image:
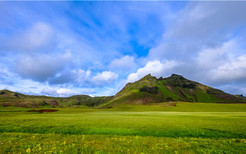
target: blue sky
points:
(95, 48)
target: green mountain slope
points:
(9, 98)
(149, 89)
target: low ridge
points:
(9, 98)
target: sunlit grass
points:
(156, 128)
(59, 143)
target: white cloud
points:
(213, 57)
(76, 77)
(39, 36)
(221, 65)
(125, 62)
(200, 25)
(203, 21)
(40, 67)
(81, 75)
(156, 68)
(65, 92)
(104, 77)
(230, 71)
(60, 92)
(83, 78)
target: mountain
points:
(9, 98)
(149, 89)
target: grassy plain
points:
(156, 128)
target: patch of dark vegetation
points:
(169, 99)
(151, 90)
(6, 104)
(16, 95)
(180, 81)
(43, 103)
(214, 91)
(182, 94)
(20, 104)
(241, 97)
(54, 103)
(43, 110)
(2, 92)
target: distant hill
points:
(147, 90)
(9, 98)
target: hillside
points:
(9, 98)
(149, 89)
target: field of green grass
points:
(156, 128)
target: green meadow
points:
(157, 128)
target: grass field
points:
(157, 128)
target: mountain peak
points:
(148, 76)
(177, 76)
(149, 89)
